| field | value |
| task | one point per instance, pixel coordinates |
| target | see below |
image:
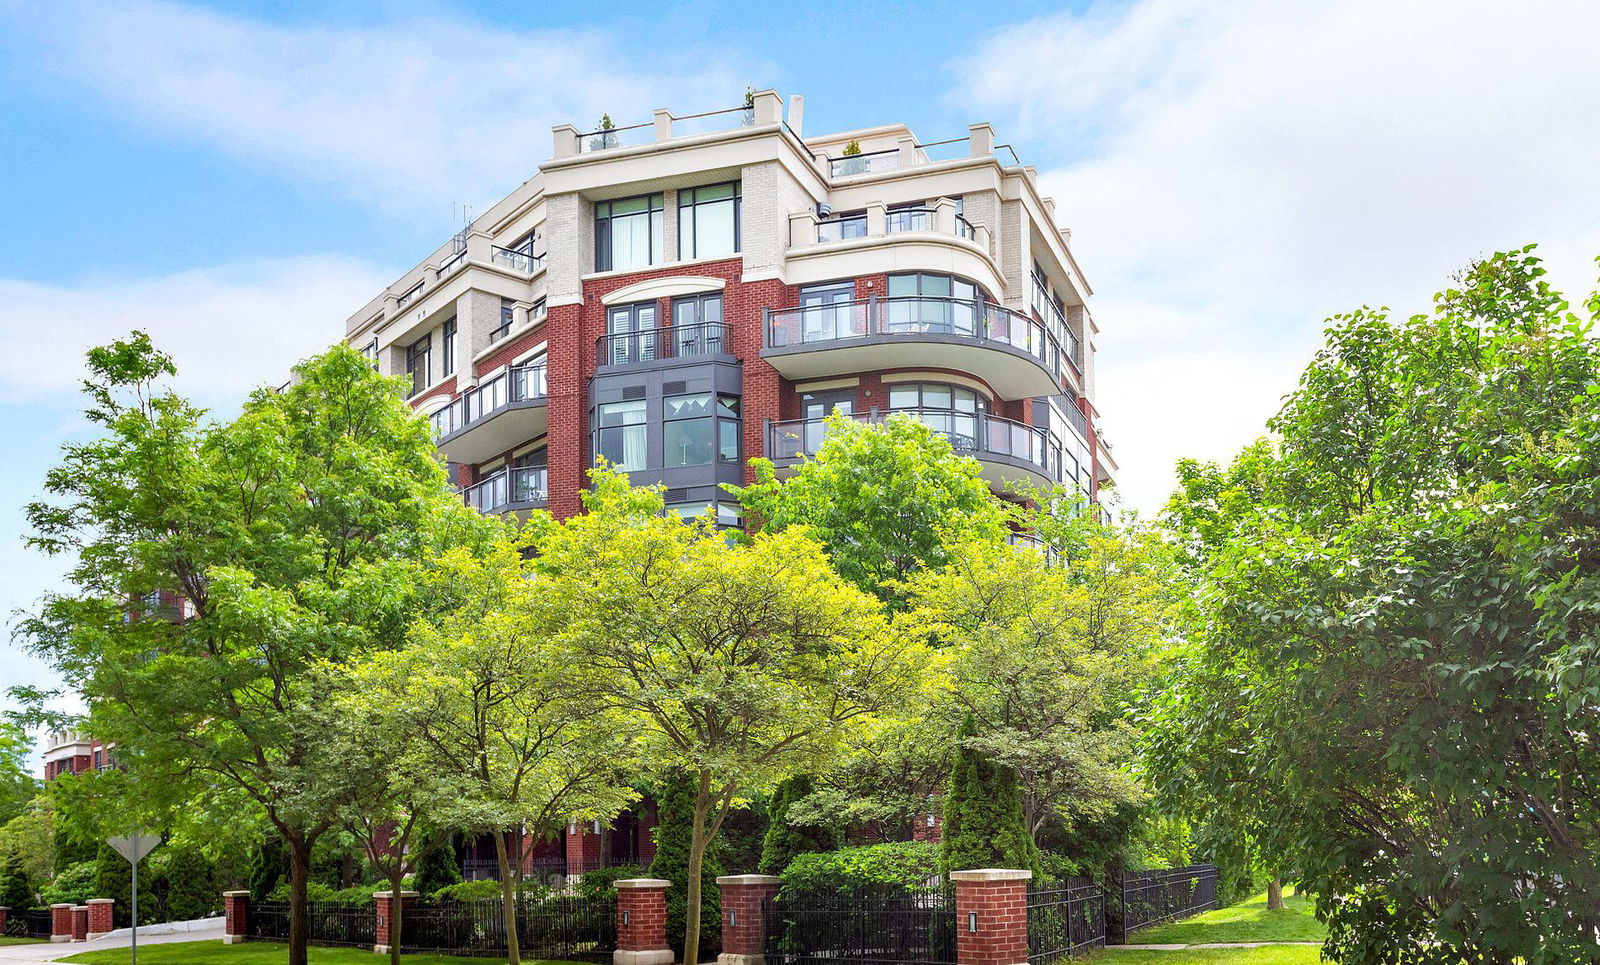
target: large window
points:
(699, 428)
(620, 435)
(417, 357)
(630, 334)
(628, 233)
(448, 348)
(941, 304)
(708, 221)
(948, 409)
(697, 325)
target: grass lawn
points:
(1248, 921)
(9, 940)
(266, 953)
(1266, 955)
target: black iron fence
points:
(553, 927)
(327, 922)
(1065, 918)
(870, 928)
(1152, 897)
(28, 923)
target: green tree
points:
(16, 888)
(1391, 681)
(439, 866)
(884, 500)
(489, 730)
(289, 534)
(29, 840)
(743, 664)
(18, 786)
(674, 837)
(983, 824)
(787, 837)
(190, 883)
(113, 878)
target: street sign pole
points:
(134, 847)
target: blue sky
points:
(237, 177)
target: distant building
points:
(74, 752)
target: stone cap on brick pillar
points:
(62, 904)
(749, 880)
(235, 894)
(992, 874)
(100, 901)
(642, 883)
(388, 894)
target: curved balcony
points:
(517, 489)
(1016, 355)
(1008, 451)
(497, 415)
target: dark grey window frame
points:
(692, 204)
(603, 218)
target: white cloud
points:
(228, 328)
(1242, 170)
(401, 115)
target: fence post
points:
(991, 916)
(80, 923)
(3, 911)
(744, 917)
(381, 904)
(99, 917)
(61, 922)
(236, 916)
(642, 922)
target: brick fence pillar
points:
(236, 916)
(642, 922)
(382, 901)
(3, 911)
(61, 923)
(991, 916)
(80, 923)
(744, 917)
(100, 917)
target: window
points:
(628, 233)
(827, 312)
(849, 225)
(630, 334)
(708, 221)
(950, 410)
(699, 428)
(448, 348)
(697, 325)
(507, 316)
(620, 435)
(371, 351)
(940, 304)
(417, 363)
(728, 515)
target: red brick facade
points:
(744, 904)
(80, 922)
(236, 914)
(99, 921)
(642, 914)
(61, 923)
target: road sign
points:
(134, 846)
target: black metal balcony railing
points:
(974, 433)
(914, 315)
(518, 383)
(519, 485)
(681, 341)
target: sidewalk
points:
(209, 929)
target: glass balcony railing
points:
(977, 434)
(517, 486)
(518, 383)
(650, 345)
(981, 321)
(523, 261)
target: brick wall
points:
(641, 914)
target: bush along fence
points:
(989, 916)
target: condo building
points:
(682, 295)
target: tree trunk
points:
(697, 860)
(299, 877)
(1275, 894)
(508, 895)
(396, 909)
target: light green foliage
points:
(293, 530)
(741, 664)
(983, 822)
(1044, 658)
(885, 500)
(29, 840)
(1393, 684)
(790, 834)
(18, 786)
(75, 883)
(886, 782)
(899, 864)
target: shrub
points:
(785, 840)
(16, 891)
(675, 807)
(438, 868)
(486, 889)
(114, 879)
(598, 883)
(907, 865)
(983, 825)
(317, 891)
(191, 887)
(75, 884)
(267, 870)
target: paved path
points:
(40, 952)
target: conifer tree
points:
(674, 831)
(983, 826)
(439, 867)
(785, 840)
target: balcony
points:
(517, 489)
(1011, 352)
(492, 418)
(663, 344)
(525, 262)
(1008, 451)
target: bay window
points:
(620, 435)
